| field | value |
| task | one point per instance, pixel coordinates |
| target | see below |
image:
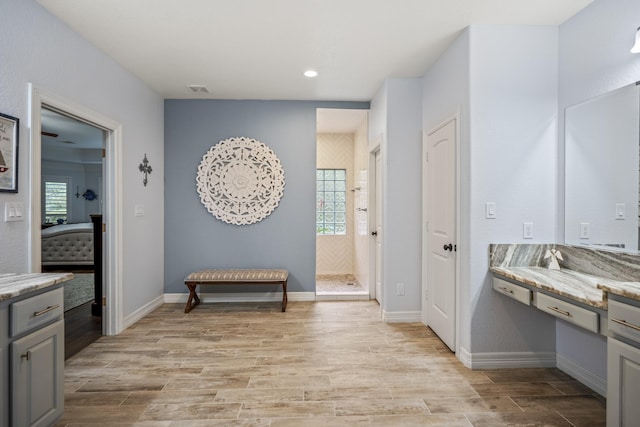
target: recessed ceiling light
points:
(311, 73)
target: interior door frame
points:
(425, 218)
(375, 150)
(113, 312)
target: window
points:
(56, 200)
(331, 201)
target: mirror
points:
(602, 160)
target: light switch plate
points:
(527, 230)
(14, 211)
(490, 210)
(139, 210)
(621, 209)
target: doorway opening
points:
(72, 201)
(342, 230)
(106, 194)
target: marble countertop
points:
(626, 289)
(581, 287)
(15, 284)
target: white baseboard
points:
(401, 316)
(586, 377)
(143, 311)
(507, 360)
(342, 297)
(242, 297)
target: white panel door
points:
(378, 230)
(441, 220)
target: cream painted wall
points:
(334, 254)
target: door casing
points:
(39, 98)
(373, 208)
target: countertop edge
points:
(509, 273)
(30, 282)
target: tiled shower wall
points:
(335, 254)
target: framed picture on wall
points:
(9, 128)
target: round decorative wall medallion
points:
(240, 181)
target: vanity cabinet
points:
(32, 359)
(518, 293)
(568, 312)
(590, 318)
(623, 364)
(37, 376)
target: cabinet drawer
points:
(518, 293)
(624, 320)
(36, 311)
(569, 312)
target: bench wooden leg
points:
(193, 297)
(284, 296)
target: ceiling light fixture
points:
(311, 73)
(636, 47)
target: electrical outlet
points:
(400, 289)
(527, 230)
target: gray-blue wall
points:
(194, 239)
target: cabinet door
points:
(623, 384)
(37, 387)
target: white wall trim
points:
(241, 297)
(586, 377)
(143, 311)
(342, 297)
(402, 316)
(501, 360)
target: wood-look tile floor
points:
(325, 364)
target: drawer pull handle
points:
(509, 291)
(26, 355)
(46, 310)
(625, 323)
(557, 310)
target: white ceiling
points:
(69, 133)
(258, 49)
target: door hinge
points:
(104, 301)
(426, 157)
(426, 226)
(104, 153)
(104, 227)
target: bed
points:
(68, 246)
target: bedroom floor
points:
(319, 364)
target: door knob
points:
(374, 233)
(448, 247)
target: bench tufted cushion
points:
(246, 275)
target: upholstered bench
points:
(233, 277)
